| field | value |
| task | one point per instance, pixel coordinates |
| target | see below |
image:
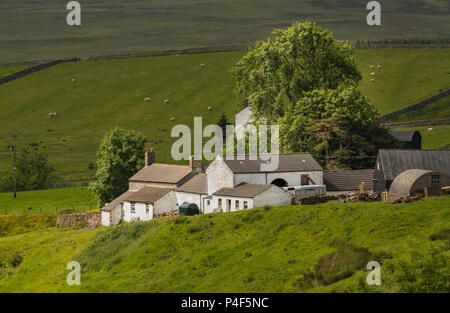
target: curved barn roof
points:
(402, 184)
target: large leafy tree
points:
(340, 125)
(119, 156)
(304, 57)
(32, 171)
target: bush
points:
(15, 260)
(252, 216)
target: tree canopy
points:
(119, 156)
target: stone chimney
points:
(149, 157)
(196, 165)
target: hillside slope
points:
(33, 30)
(260, 250)
(111, 93)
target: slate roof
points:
(295, 162)
(162, 173)
(404, 135)
(243, 191)
(196, 184)
(395, 161)
(117, 201)
(147, 195)
(348, 180)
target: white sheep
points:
(430, 129)
(209, 108)
(52, 114)
(202, 65)
(73, 80)
(147, 99)
(172, 119)
(372, 74)
(372, 80)
(372, 67)
(166, 101)
(379, 66)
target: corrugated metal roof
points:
(295, 162)
(162, 173)
(243, 191)
(395, 161)
(117, 201)
(348, 180)
(401, 186)
(404, 135)
(147, 195)
(196, 184)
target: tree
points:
(222, 123)
(119, 156)
(277, 73)
(337, 124)
(33, 172)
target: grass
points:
(249, 251)
(436, 110)
(135, 26)
(110, 93)
(8, 70)
(438, 138)
(47, 201)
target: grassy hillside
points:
(260, 250)
(47, 201)
(111, 93)
(116, 26)
(436, 110)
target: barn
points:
(410, 139)
(392, 162)
(417, 181)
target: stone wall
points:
(90, 219)
(444, 121)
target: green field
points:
(111, 93)
(436, 110)
(31, 30)
(438, 138)
(260, 250)
(47, 201)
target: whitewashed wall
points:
(196, 198)
(106, 218)
(218, 176)
(140, 212)
(273, 196)
(215, 204)
(292, 178)
(165, 204)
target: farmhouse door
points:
(228, 205)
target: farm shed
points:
(343, 182)
(392, 162)
(410, 139)
(247, 196)
(112, 212)
(415, 181)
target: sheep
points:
(372, 80)
(372, 67)
(147, 99)
(430, 129)
(172, 119)
(73, 80)
(209, 108)
(52, 115)
(166, 101)
(239, 64)
(372, 74)
(202, 65)
(379, 66)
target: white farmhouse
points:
(297, 169)
(247, 196)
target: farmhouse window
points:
(133, 207)
(219, 202)
(208, 203)
(147, 208)
(237, 204)
(435, 179)
(245, 205)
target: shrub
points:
(15, 260)
(252, 216)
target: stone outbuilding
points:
(414, 181)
